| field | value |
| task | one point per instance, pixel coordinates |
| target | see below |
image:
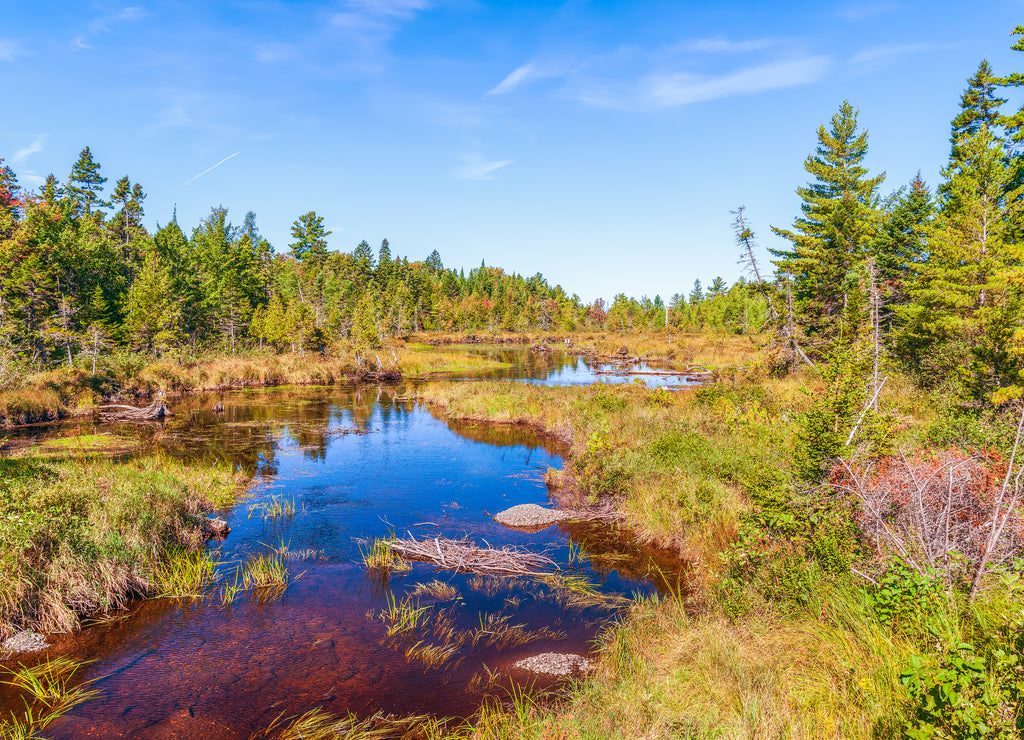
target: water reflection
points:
(357, 464)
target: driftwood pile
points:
(467, 557)
(117, 412)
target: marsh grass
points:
(283, 508)
(316, 724)
(184, 574)
(437, 590)
(265, 571)
(401, 617)
(430, 655)
(80, 537)
(497, 631)
(381, 556)
(48, 692)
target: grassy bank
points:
(782, 635)
(672, 349)
(66, 391)
(677, 462)
(80, 536)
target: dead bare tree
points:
(1002, 511)
(939, 512)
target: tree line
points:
(929, 279)
(86, 277)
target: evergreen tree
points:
(840, 220)
(960, 323)
(85, 184)
(697, 294)
(979, 105)
(902, 242)
(364, 262)
(8, 186)
(1013, 124)
(310, 239)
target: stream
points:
(187, 668)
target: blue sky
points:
(601, 143)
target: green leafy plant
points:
(965, 695)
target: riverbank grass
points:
(81, 536)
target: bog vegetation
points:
(848, 497)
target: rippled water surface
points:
(198, 668)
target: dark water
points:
(198, 668)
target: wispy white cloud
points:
(475, 167)
(672, 90)
(378, 18)
(396, 8)
(178, 109)
(22, 154)
(529, 72)
(9, 50)
(208, 169)
(858, 12)
(877, 57)
(721, 45)
(104, 23)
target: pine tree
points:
(85, 184)
(840, 220)
(310, 237)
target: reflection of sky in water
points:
(560, 368)
(199, 669)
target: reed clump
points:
(381, 556)
(82, 536)
(49, 691)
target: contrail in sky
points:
(207, 170)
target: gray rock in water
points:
(530, 515)
(24, 642)
(555, 664)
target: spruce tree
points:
(979, 105)
(840, 220)
(902, 242)
(964, 303)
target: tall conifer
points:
(839, 222)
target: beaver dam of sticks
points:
(464, 556)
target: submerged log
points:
(117, 412)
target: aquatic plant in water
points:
(48, 693)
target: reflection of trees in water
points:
(612, 549)
(504, 435)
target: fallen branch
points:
(116, 412)
(465, 556)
